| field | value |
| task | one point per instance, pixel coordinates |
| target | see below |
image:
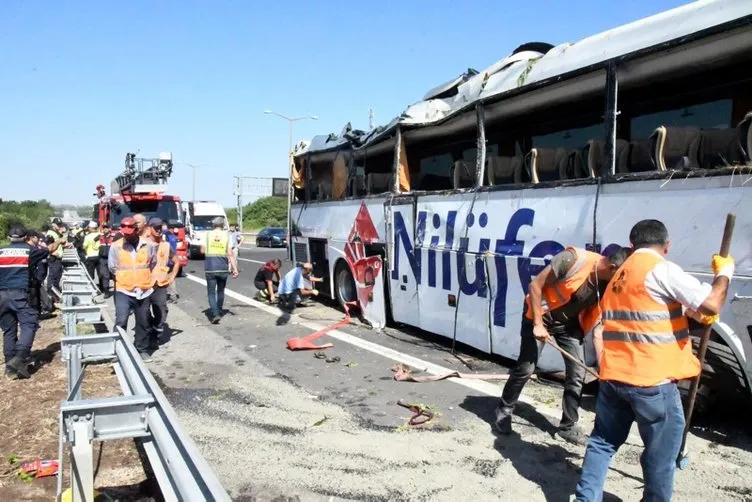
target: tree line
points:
(264, 212)
(31, 214)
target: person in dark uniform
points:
(105, 240)
(18, 264)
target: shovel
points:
(683, 459)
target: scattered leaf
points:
(351, 365)
(319, 422)
(12, 459)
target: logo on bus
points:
(472, 282)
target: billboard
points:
(279, 187)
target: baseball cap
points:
(92, 224)
(154, 222)
(57, 221)
(128, 226)
(17, 232)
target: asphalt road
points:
(362, 380)
(277, 424)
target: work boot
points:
(503, 423)
(573, 435)
(20, 366)
(10, 372)
(145, 357)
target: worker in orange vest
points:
(131, 261)
(571, 283)
(646, 351)
(162, 280)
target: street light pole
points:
(289, 120)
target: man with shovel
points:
(646, 351)
(557, 297)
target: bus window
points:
(715, 114)
(435, 172)
(569, 139)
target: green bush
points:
(31, 214)
(264, 212)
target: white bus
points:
(198, 221)
(439, 219)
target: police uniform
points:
(18, 264)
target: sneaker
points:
(10, 372)
(573, 435)
(215, 319)
(503, 423)
(145, 357)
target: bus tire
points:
(344, 284)
(722, 379)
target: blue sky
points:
(83, 82)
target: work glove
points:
(723, 266)
(703, 319)
(315, 292)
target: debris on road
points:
(403, 373)
(319, 422)
(321, 355)
(306, 343)
(419, 410)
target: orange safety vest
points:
(644, 342)
(132, 272)
(557, 295)
(161, 272)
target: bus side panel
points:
(405, 289)
(347, 226)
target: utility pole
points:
(370, 119)
(239, 195)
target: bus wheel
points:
(344, 284)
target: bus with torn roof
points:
(440, 219)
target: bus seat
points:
(577, 165)
(324, 190)
(745, 136)
(463, 174)
(595, 153)
(639, 157)
(717, 148)
(379, 182)
(502, 170)
(358, 184)
(547, 164)
(671, 147)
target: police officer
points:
(18, 264)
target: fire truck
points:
(142, 188)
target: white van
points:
(198, 221)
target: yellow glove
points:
(706, 320)
(723, 266)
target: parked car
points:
(273, 237)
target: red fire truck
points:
(141, 188)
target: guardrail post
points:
(69, 323)
(75, 369)
(82, 459)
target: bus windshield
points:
(167, 210)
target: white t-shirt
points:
(667, 282)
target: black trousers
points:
(158, 314)
(124, 305)
(104, 276)
(92, 264)
(572, 342)
(54, 275)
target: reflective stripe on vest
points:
(161, 273)
(645, 342)
(14, 266)
(557, 295)
(216, 251)
(132, 272)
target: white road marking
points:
(488, 388)
(252, 261)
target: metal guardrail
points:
(142, 411)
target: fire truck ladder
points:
(143, 175)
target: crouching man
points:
(295, 285)
(569, 285)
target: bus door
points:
(404, 254)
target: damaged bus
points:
(440, 218)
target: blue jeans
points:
(215, 288)
(660, 420)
